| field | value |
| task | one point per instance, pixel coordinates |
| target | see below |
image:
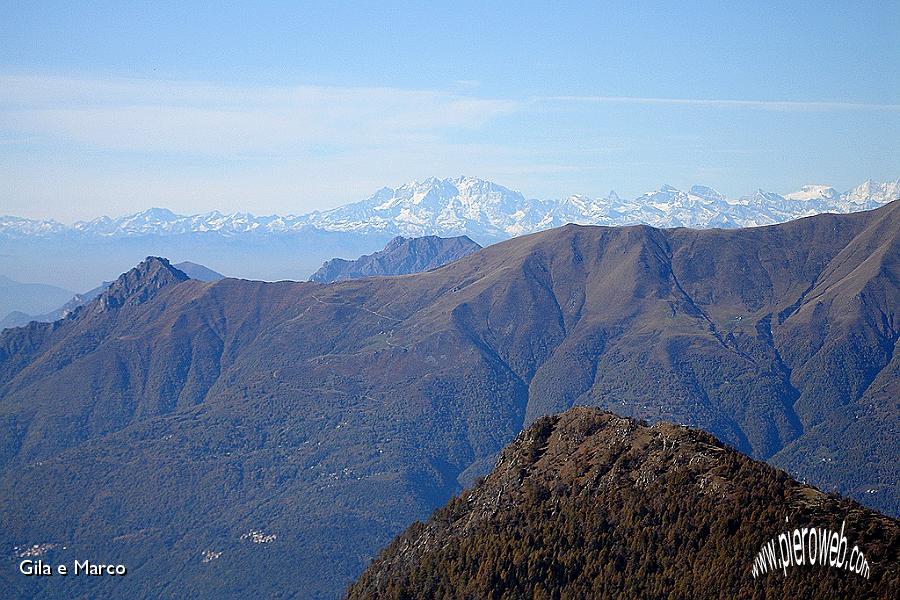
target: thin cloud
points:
(200, 118)
(776, 105)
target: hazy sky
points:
(282, 107)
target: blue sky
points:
(290, 107)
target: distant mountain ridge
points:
(401, 256)
(483, 210)
(18, 318)
(198, 272)
(19, 297)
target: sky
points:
(287, 107)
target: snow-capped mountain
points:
(872, 194)
(161, 221)
(485, 211)
(21, 227)
(462, 206)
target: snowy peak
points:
(708, 193)
(814, 192)
(21, 227)
(873, 191)
(161, 221)
(460, 206)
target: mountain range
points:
(590, 505)
(234, 436)
(489, 212)
(486, 212)
(292, 247)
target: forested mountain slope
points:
(590, 505)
